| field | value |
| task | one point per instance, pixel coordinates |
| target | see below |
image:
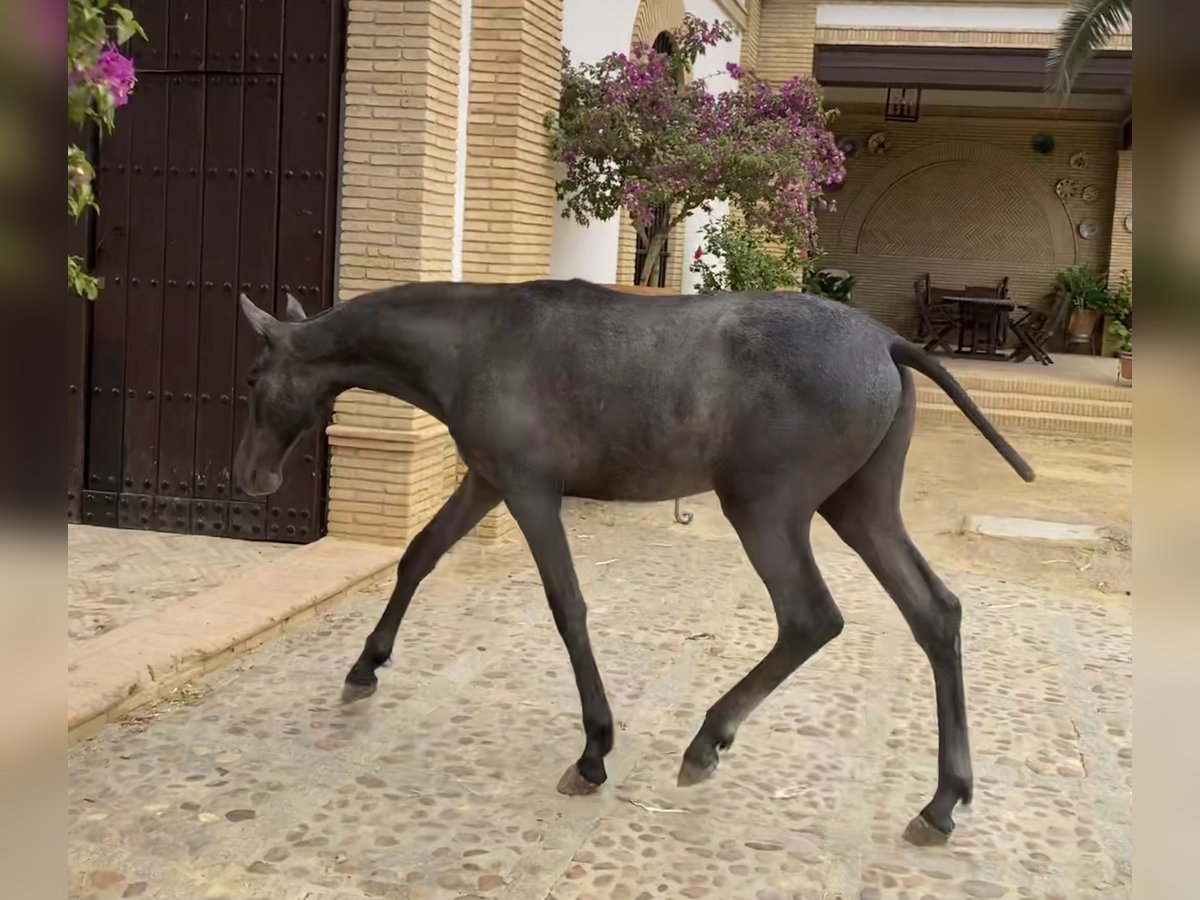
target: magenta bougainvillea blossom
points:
(112, 72)
(99, 80)
(634, 133)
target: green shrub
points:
(737, 257)
(1085, 286)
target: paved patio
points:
(260, 785)
(116, 575)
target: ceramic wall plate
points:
(878, 143)
(1090, 194)
(1080, 160)
(1129, 223)
(1088, 229)
(1067, 188)
(848, 146)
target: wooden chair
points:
(1035, 328)
(999, 292)
(936, 320)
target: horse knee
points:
(816, 629)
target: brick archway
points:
(908, 188)
(654, 17)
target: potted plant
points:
(1089, 297)
(1123, 338)
(1120, 323)
(832, 284)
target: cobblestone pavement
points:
(116, 575)
(261, 785)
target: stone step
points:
(1009, 420)
(1044, 383)
(1040, 403)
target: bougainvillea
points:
(99, 81)
(633, 133)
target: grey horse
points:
(783, 405)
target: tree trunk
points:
(649, 274)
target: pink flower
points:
(111, 72)
(115, 72)
(699, 253)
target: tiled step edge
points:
(110, 675)
(1034, 421)
(1101, 409)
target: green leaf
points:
(1087, 27)
(127, 26)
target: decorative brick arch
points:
(653, 17)
(1023, 218)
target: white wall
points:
(460, 143)
(710, 67)
(984, 18)
(591, 29)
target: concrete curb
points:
(140, 662)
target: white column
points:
(460, 142)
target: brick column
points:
(391, 465)
(508, 218)
(787, 34)
(1120, 249)
(1120, 253)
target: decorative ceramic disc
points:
(1080, 160)
(878, 143)
(1091, 194)
(848, 146)
(1067, 189)
(1088, 229)
(1129, 223)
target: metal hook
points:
(683, 518)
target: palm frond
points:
(1087, 27)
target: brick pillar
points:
(787, 34)
(508, 218)
(391, 465)
(751, 35)
(1120, 250)
(1120, 254)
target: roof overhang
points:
(963, 68)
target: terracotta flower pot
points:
(1126, 358)
(1082, 323)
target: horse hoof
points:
(352, 692)
(923, 833)
(691, 773)
(573, 783)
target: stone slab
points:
(1029, 529)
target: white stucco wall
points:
(460, 143)
(592, 29)
(710, 67)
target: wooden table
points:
(985, 317)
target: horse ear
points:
(295, 310)
(260, 320)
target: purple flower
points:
(112, 72)
(115, 72)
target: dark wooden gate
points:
(221, 177)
